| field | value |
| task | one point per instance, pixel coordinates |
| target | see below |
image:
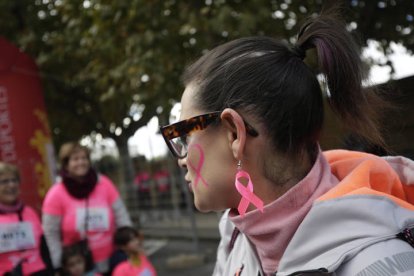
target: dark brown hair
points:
(268, 79)
(125, 234)
(339, 60)
(70, 251)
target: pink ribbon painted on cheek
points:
(197, 168)
(247, 193)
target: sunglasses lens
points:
(179, 145)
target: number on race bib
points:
(98, 219)
(16, 236)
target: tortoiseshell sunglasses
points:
(175, 134)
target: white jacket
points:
(351, 230)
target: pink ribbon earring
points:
(246, 192)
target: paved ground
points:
(170, 242)
(178, 257)
(204, 226)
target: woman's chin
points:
(9, 201)
(203, 207)
(200, 207)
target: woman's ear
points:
(235, 130)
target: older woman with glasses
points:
(21, 242)
(252, 114)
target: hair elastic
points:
(299, 51)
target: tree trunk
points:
(127, 188)
(126, 161)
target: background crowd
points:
(77, 233)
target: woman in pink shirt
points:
(82, 206)
(21, 241)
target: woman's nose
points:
(182, 162)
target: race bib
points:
(146, 272)
(16, 236)
(98, 219)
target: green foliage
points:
(104, 61)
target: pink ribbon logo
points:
(197, 168)
(247, 193)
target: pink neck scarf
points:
(271, 231)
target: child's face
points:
(75, 265)
(133, 246)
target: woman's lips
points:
(190, 187)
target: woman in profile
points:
(252, 114)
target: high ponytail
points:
(340, 62)
(266, 79)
